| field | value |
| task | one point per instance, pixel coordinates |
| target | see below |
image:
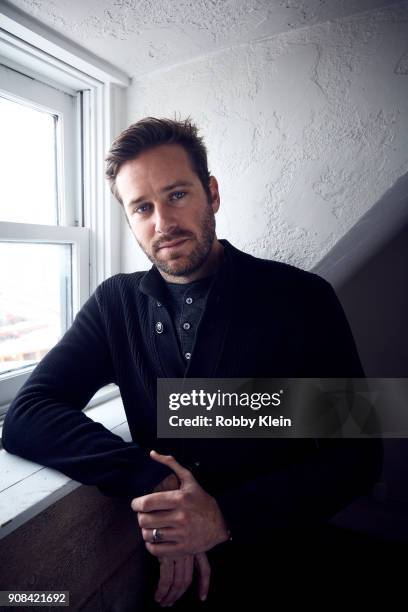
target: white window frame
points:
(28, 46)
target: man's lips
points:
(173, 243)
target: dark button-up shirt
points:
(186, 305)
(176, 314)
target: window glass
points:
(35, 301)
(28, 162)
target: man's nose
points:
(164, 221)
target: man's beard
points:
(178, 266)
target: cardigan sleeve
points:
(340, 470)
(45, 422)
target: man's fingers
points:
(164, 500)
(158, 520)
(165, 535)
(181, 472)
(181, 580)
(165, 580)
(167, 549)
(204, 573)
(189, 569)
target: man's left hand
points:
(189, 519)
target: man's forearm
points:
(45, 422)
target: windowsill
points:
(27, 488)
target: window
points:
(57, 220)
(40, 219)
(36, 188)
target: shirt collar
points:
(195, 290)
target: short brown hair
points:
(151, 132)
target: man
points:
(205, 309)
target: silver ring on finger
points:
(157, 536)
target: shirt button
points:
(189, 300)
(159, 327)
(159, 304)
(197, 464)
(186, 325)
(187, 355)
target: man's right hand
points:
(176, 575)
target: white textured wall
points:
(305, 130)
(143, 35)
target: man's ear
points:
(215, 196)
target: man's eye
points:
(177, 195)
(142, 209)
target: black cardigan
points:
(263, 319)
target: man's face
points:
(168, 210)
